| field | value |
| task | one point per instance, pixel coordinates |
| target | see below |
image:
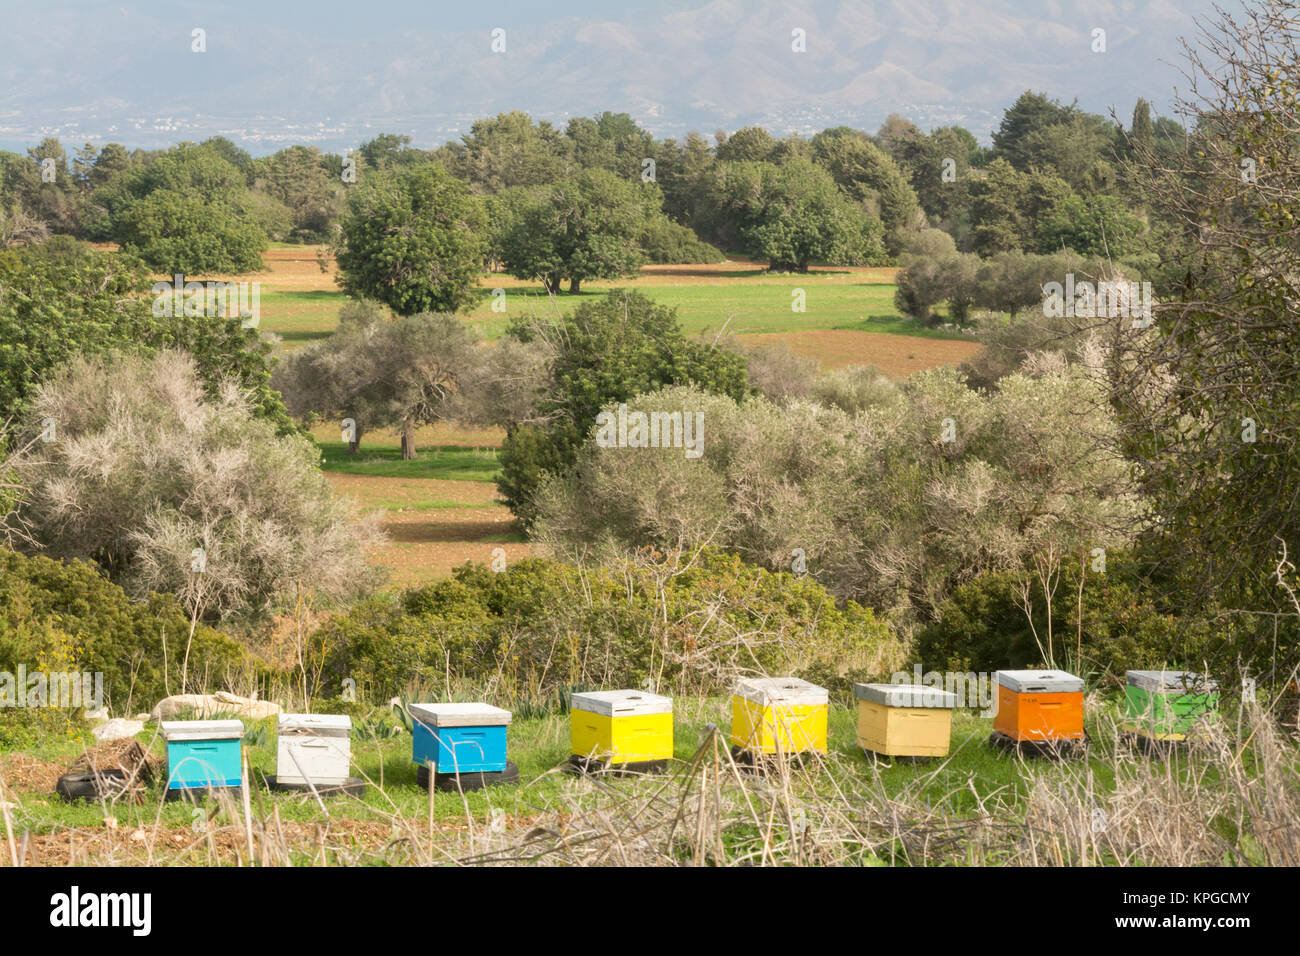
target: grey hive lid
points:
(460, 715)
(781, 692)
(1041, 682)
(1161, 681)
(319, 725)
(201, 729)
(617, 703)
(905, 695)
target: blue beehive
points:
(203, 753)
(459, 738)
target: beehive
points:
(1168, 705)
(459, 738)
(1039, 705)
(904, 720)
(621, 726)
(783, 715)
(203, 753)
(315, 747)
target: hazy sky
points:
(334, 72)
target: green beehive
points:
(1168, 705)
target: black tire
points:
(194, 794)
(455, 783)
(597, 767)
(351, 787)
(90, 786)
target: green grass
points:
(376, 458)
(539, 745)
(760, 305)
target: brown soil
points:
(897, 356)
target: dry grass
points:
(1234, 800)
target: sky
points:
(334, 73)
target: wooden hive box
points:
(785, 715)
(904, 720)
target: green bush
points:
(47, 606)
(668, 243)
(691, 625)
(1124, 621)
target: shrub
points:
(691, 622)
(71, 610)
(1121, 621)
(668, 243)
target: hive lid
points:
(905, 695)
(1041, 682)
(201, 729)
(616, 703)
(460, 715)
(781, 691)
(1161, 681)
(318, 725)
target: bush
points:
(145, 470)
(668, 243)
(690, 623)
(1123, 622)
(51, 609)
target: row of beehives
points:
(633, 729)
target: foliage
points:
(579, 229)
(62, 298)
(412, 238)
(605, 351)
(690, 623)
(145, 469)
(47, 606)
(189, 212)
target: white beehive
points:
(315, 747)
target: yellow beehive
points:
(904, 720)
(784, 715)
(621, 727)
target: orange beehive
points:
(1039, 705)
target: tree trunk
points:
(354, 446)
(574, 284)
(408, 439)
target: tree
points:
(298, 178)
(169, 491)
(412, 239)
(752, 144)
(1102, 226)
(1211, 394)
(997, 220)
(388, 150)
(583, 228)
(510, 150)
(868, 176)
(379, 373)
(792, 216)
(63, 298)
(610, 141)
(1030, 112)
(188, 211)
(606, 351)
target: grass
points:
(378, 458)
(744, 299)
(1234, 801)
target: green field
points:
(745, 303)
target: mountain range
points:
(335, 73)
